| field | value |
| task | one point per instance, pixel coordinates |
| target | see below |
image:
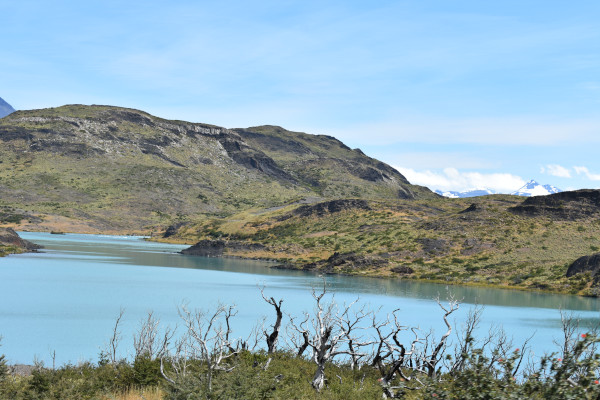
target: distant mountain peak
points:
(5, 108)
(531, 188)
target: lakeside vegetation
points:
(333, 352)
(475, 241)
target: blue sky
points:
(455, 94)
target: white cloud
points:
(556, 170)
(453, 179)
(586, 172)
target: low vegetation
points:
(477, 241)
(101, 169)
(333, 352)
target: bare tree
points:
(115, 339)
(273, 336)
(466, 340)
(391, 357)
(325, 334)
(208, 339)
(144, 340)
(349, 324)
(298, 335)
(431, 361)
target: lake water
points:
(65, 299)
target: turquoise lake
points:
(64, 300)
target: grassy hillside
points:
(110, 169)
(482, 241)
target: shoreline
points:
(279, 264)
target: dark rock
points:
(473, 246)
(9, 237)
(403, 269)
(434, 246)
(331, 207)
(352, 260)
(206, 248)
(586, 264)
(251, 158)
(216, 248)
(471, 208)
(173, 229)
(368, 173)
(154, 150)
(568, 206)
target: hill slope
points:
(111, 169)
(497, 240)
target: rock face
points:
(434, 246)
(327, 207)
(218, 248)
(585, 264)
(8, 237)
(206, 248)
(5, 108)
(341, 262)
(570, 206)
(403, 270)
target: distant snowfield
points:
(531, 188)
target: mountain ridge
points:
(531, 188)
(106, 169)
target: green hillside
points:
(110, 169)
(498, 240)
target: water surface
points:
(65, 299)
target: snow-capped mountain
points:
(5, 108)
(531, 188)
(468, 193)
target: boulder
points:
(586, 264)
(206, 248)
(9, 237)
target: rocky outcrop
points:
(473, 207)
(327, 207)
(206, 248)
(8, 237)
(435, 246)
(570, 206)
(403, 270)
(251, 158)
(340, 262)
(218, 248)
(586, 264)
(473, 246)
(173, 229)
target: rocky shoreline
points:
(13, 243)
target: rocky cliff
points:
(11, 242)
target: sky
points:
(454, 94)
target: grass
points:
(119, 169)
(492, 247)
